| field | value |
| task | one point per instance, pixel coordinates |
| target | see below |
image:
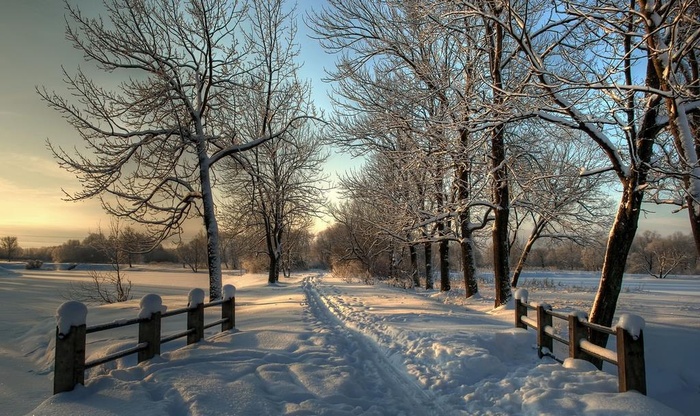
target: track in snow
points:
(326, 316)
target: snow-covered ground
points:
(318, 345)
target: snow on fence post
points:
(195, 316)
(543, 321)
(69, 359)
(520, 307)
(149, 327)
(228, 308)
(577, 332)
(630, 354)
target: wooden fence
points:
(70, 364)
(629, 357)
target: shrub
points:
(33, 264)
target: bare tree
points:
(586, 58)
(660, 256)
(106, 286)
(134, 245)
(670, 33)
(193, 253)
(280, 181)
(10, 247)
(553, 199)
(151, 141)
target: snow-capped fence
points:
(71, 331)
(629, 354)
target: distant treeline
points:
(91, 250)
(651, 254)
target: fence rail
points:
(71, 331)
(629, 354)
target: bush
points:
(33, 264)
(352, 270)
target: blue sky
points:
(33, 51)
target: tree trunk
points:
(526, 252)
(619, 244)
(501, 272)
(413, 254)
(625, 226)
(428, 247)
(466, 244)
(275, 255)
(694, 216)
(469, 265)
(210, 223)
(274, 269)
(444, 265)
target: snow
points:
(631, 323)
(580, 315)
(70, 314)
(149, 305)
(521, 295)
(315, 344)
(229, 292)
(195, 297)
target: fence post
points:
(149, 326)
(195, 316)
(577, 332)
(520, 307)
(149, 332)
(195, 322)
(69, 362)
(630, 361)
(228, 308)
(69, 353)
(544, 320)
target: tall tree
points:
(594, 65)
(280, 181)
(152, 140)
(401, 77)
(671, 34)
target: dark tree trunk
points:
(413, 254)
(466, 245)
(469, 265)
(444, 265)
(694, 221)
(619, 244)
(500, 197)
(210, 223)
(625, 225)
(534, 235)
(428, 247)
(274, 271)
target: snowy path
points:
(314, 345)
(326, 317)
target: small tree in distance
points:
(109, 286)
(10, 247)
(660, 256)
(194, 252)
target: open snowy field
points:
(318, 345)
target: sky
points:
(32, 52)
